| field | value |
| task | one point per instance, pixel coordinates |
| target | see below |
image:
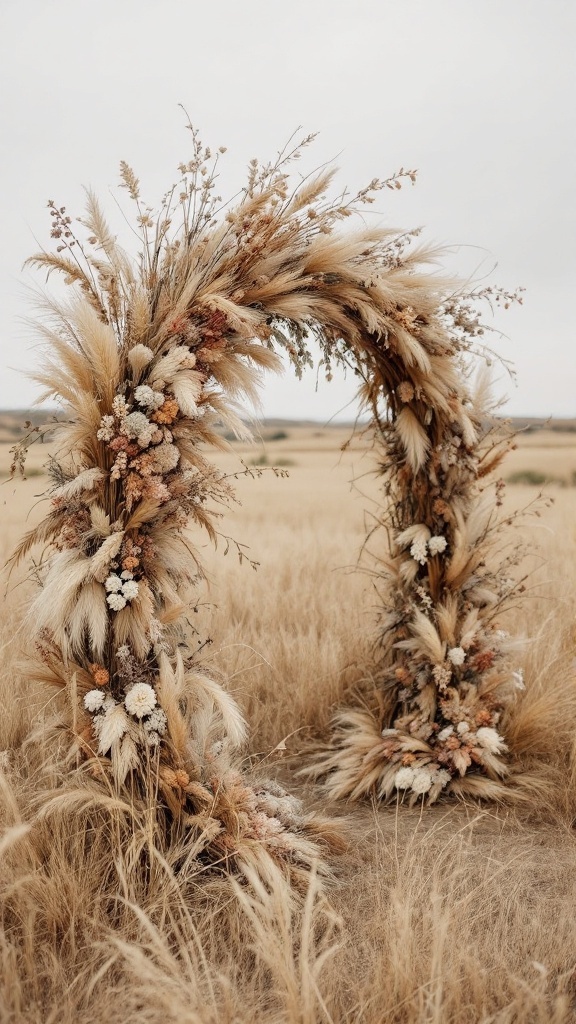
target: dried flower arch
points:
(146, 355)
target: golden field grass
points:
(458, 914)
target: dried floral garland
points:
(145, 356)
(446, 670)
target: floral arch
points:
(146, 355)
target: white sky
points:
(476, 94)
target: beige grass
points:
(454, 915)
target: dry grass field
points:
(456, 914)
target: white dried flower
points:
(136, 424)
(152, 739)
(144, 395)
(130, 590)
(418, 550)
(113, 584)
(445, 733)
(457, 655)
(140, 700)
(436, 545)
(126, 575)
(462, 728)
(116, 602)
(93, 700)
(149, 398)
(106, 431)
(156, 722)
(120, 406)
(422, 781)
(442, 776)
(404, 778)
(490, 740)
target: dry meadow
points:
(456, 914)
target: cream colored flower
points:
(422, 781)
(457, 655)
(113, 584)
(436, 545)
(93, 700)
(442, 776)
(156, 722)
(135, 424)
(120, 406)
(106, 430)
(404, 778)
(140, 700)
(130, 590)
(116, 602)
(491, 740)
(144, 395)
(445, 733)
(418, 550)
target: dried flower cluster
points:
(144, 357)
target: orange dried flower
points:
(452, 743)
(182, 778)
(483, 718)
(100, 675)
(442, 509)
(167, 412)
(130, 563)
(408, 759)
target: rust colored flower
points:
(483, 718)
(442, 509)
(100, 675)
(484, 660)
(167, 412)
(130, 563)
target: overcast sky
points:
(476, 94)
